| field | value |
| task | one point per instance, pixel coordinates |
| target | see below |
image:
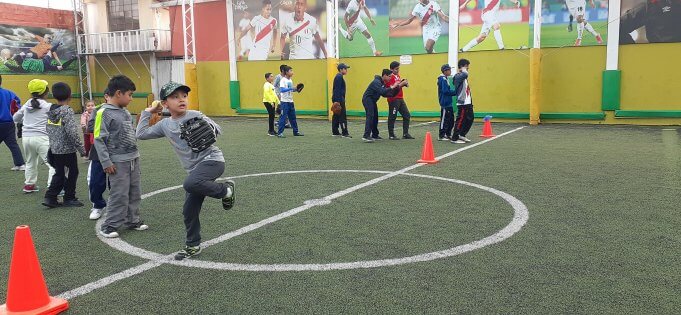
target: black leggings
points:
(270, 119)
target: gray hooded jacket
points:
(114, 135)
(62, 129)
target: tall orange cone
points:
(487, 128)
(26, 288)
(427, 155)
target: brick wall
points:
(20, 15)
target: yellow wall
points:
(572, 79)
(213, 82)
(310, 72)
(651, 76)
(19, 85)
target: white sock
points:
(470, 44)
(345, 33)
(372, 44)
(580, 30)
(500, 40)
(590, 28)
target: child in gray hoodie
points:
(62, 130)
(117, 150)
(204, 167)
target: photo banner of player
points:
(28, 50)
(494, 24)
(418, 26)
(363, 27)
(650, 21)
(280, 29)
(573, 23)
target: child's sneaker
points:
(139, 226)
(95, 213)
(443, 138)
(18, 168)
(464, 139)
(108, 232)
(188, 252)
(30, 188)
(228, 200)
(73, 203)
(459, 141)
(51, 203)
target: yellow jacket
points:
(268, 95)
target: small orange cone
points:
(487, 128)
(26, 288)
(427, 155)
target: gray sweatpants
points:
(125, 195)
(200, 184)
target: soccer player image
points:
(489, 20)
(354, 23)
(245, 39)
(265, 27)
(576, 8)
(661, 18)
(429, 13)
(303, 32)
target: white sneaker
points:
(18, 168)
(459, 141)
(109, 232)
(96, 213)
(464, 139)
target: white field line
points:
(158, 260)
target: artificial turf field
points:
(558, 36)
(601, 235)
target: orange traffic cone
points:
(427, 155)
(487, 128)
(26, 289)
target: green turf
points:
(558, 36)
(414, 45)
(359, 47)
(602, 235)
(515, 36)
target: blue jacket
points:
(6, 97)
(444, 93)
(376, 89)
(338, 89)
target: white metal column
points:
(188, 27)
(453, 54)
(612, 57)
(85, 84)
(232, 41)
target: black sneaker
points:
(188, 252)
(377, 138)
(51, 203)
(335, 134)
(73, 203)
(228, 202)
(108, 232)
(407, 136)
(346, 136)
(298, 134)
(271, 133)
(139, 226)
(393, 138)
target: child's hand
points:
(110, 170)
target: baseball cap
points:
(343, 66)
(37, 86)
(445, 67)
(171, 87)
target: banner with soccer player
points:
(363, 27)
(418, 26)
(573, 23)
(493, 24)
(29, 50)
(650, 21)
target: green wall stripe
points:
(648, 113)
(234, 95)
(437, 114)
(612, 82)
(573, 116)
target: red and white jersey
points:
(353, 10)
(301, 34)
(428, 14)
(264, 29)
(491, 5)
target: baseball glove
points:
(198, 133)
(336, 108)
(300, 87)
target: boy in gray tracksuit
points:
(203, 167)
(117, 150)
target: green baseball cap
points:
(171, 87)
